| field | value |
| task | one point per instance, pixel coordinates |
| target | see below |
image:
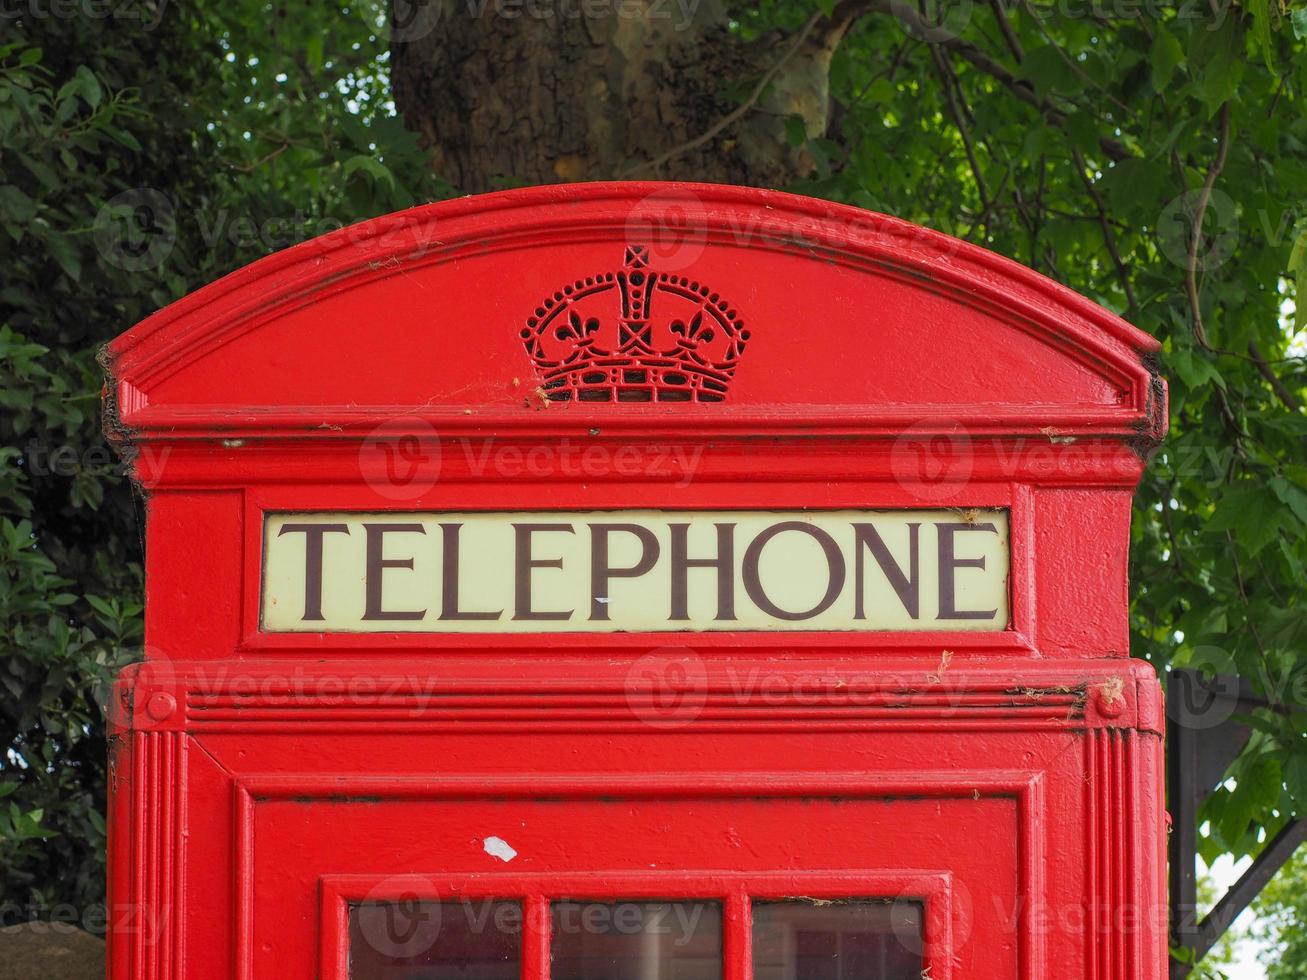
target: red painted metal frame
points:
(734, 890)
(262, 780)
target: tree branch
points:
(948, 80)
(843, 16)
(1009, 35)
(1109, 239)
(916, 24)
(735, 114)
(1287, 397)
(1196, 232)
(982, 219)
(1067, 60)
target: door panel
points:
(325, 857)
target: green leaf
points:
(880, 91)
(1047, 71)
(1216, 62)
(1298, 270)
(83, 84)
(1261, 14)
(1251, 512)
(1166, 55)
(371, 166)
(103, 607)
(62, 250)
(1295, 777)
(1292, 495)
(796, 132)
(313, 52)
(1262, 780)
(126, 139)
(1083, 130)
(1195, 369)
(15, 205)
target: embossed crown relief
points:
(635, 335)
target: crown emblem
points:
(635, 336)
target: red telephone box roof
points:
(560, 309)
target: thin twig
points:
(1195, 235)
(984, 217)
(917, 25)
(735, 114)
(1072, 216)
(246, 168)
(1275, 99)
(1067, 60)
(888, 73)
(1008, 34)
(1287, 397)
(1109, 239)
(1176, 553)
(1243, 594)
(948, 80)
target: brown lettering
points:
(724, 563)
(376, 566)
(948, 563)
(753, 577)
(523, 566)
(906, 587)
(449, 534)
(313, 535)
(602, 572)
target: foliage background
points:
(1281, 911)
(147, 148)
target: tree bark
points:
(510, 92)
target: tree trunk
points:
(509, 92)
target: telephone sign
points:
(650, 571)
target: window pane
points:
(637, 941)
(854, 940)
(474, 939)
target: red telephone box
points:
(631, 581)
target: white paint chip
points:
(498, 847)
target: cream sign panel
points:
(635, 570)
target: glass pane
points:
(474, 939)
(853, 940)
(637, 941)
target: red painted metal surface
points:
(1009, 781)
